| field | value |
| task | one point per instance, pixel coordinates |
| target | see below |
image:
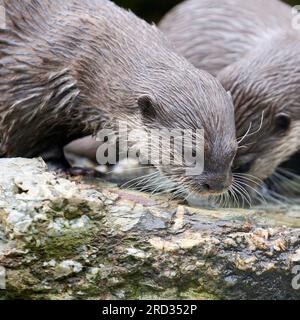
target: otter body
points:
(213, 34)
(253, 50)
(69, 67)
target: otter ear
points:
(147, 106)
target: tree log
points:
(63, 238)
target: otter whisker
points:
(279, 199)
(288, 172)
(227, 198)
(242, 147)
(180, 193)
(224, 201)
(248, 134)
(248, 178)
(233, 193)
(261, 197)
(281, 183)
(219, 200)
(131, 169)
(286, 182)
(245, 193)
(260, 126)
(163, 186)
(137, 181)
(290, 178)
(240, 140)
(159, 183)
(239, 196)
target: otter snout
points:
(214, 183)
(217, 186)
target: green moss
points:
(62, 207)
(196, 294)
(21, 284)
(65, 245)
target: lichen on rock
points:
(65, 238)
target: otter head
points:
(265, 87)
(192, 106)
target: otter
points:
(251, 47)
(70, 67)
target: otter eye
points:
(244, 168)
(282, 122)
(146, 105)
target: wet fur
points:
(69, 67)
(252, 48)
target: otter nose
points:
(217, 184)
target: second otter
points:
(254, 51)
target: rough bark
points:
(62, 239)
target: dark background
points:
(153, 10)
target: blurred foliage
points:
(153, 10)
